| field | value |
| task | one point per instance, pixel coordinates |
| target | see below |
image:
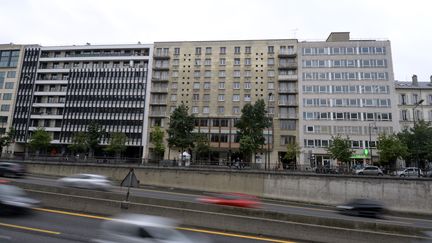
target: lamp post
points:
(416, 104)
(267, 165)
(370, 139)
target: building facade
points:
(10, 65)
(215, 79)
(63, 88)
(346, 88)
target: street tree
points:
(390, 148)
(40, 141)
(180, 128)
(7, 139)
(79, 143)
(418, 140)
(117, 144)
(201, 145)
(340, 149)
(250, 127)
(156, 137)
(94, 134)
(293, 151)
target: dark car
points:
(12, 170)
(362, 207)
(13, 200)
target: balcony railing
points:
(291, 77)
(284, 90)
(288, 65)
(287, 53)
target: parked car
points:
(369, 170)
(86, 181)
(131, 228)
(232, 199)
(14, 200)
(409, 172)
(12, 169)
(362, 207)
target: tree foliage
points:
(201, 145)
(7, 138)
(251, 125)
(94, 134)
(79, 143)
(180, 128)
(418, 141)
(156, 137)
(340, 149)
(40, 140)
(293, 150)
(117, 144)
(390, 149)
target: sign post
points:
(130, 181)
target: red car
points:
(232, 199)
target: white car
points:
(134, 228)
(86, 181)
(409, 172)
(369, 170)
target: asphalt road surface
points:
(53, 226)
(268, 205)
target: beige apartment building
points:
(414, 101)
(346, 88)
(215, 79)
(10, 65)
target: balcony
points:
(157, 113)
(288, 116)
(158, 102)
(159, 90)
(50, 93)
(164, 78)
(48, 129)
(48, 104)
(287, 91)
(288, 66)
(44, 115)
(287, 54)
(288, 103)
(161, 55)
(288, 77)
(161, 67)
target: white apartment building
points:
(345, 88)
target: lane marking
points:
(73, 214)
(234, 235)
(30, 229)
(179, 228)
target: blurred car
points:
(369, 170)
(409, 172)
(86, 181)
(362, 207)
(232, 199)
(14, 200)
(131, 228)
(12, 169)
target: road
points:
(268, 205)
(54, 226)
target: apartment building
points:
(10, 63)
(346, 88)
(414, 101)
(215, 79)
(63, 88)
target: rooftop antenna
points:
(293, 32)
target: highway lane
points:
(268, 205)
(54, 226)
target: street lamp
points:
(370, 140)
(414, 121)
(268, 133)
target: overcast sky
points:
(407, 24)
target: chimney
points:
(414, 80)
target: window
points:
(236, 97)
(174, 86)
(176, 51)
(5, 108)
(197, 62)
(206, 97)
(404, 115)
(173, 97)
(9, 85)
(197, 74)
(207, 85)
(247, 85)
(222, 61)
(221, 97)
(207, 73)
(198, 51)
(236, 85)
(270, 73)
(247, 61)
(248, 73)
(7, 96)
(221, 109)
(207, 62)
(208, 50)
(11, 74)
(236, 61)
(221, 85)
(270, 61)
(414, 98)
(237, 50)
(270, 49)
(221, 73)
(206, 110)
(236, 73)
(247, 97)
(194, 109)
(236, 110)
(248, 50)
(196, 85)
(270, 85)
(222, 50)
(195, 97)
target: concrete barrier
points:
(225, 218)
(404, 195)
